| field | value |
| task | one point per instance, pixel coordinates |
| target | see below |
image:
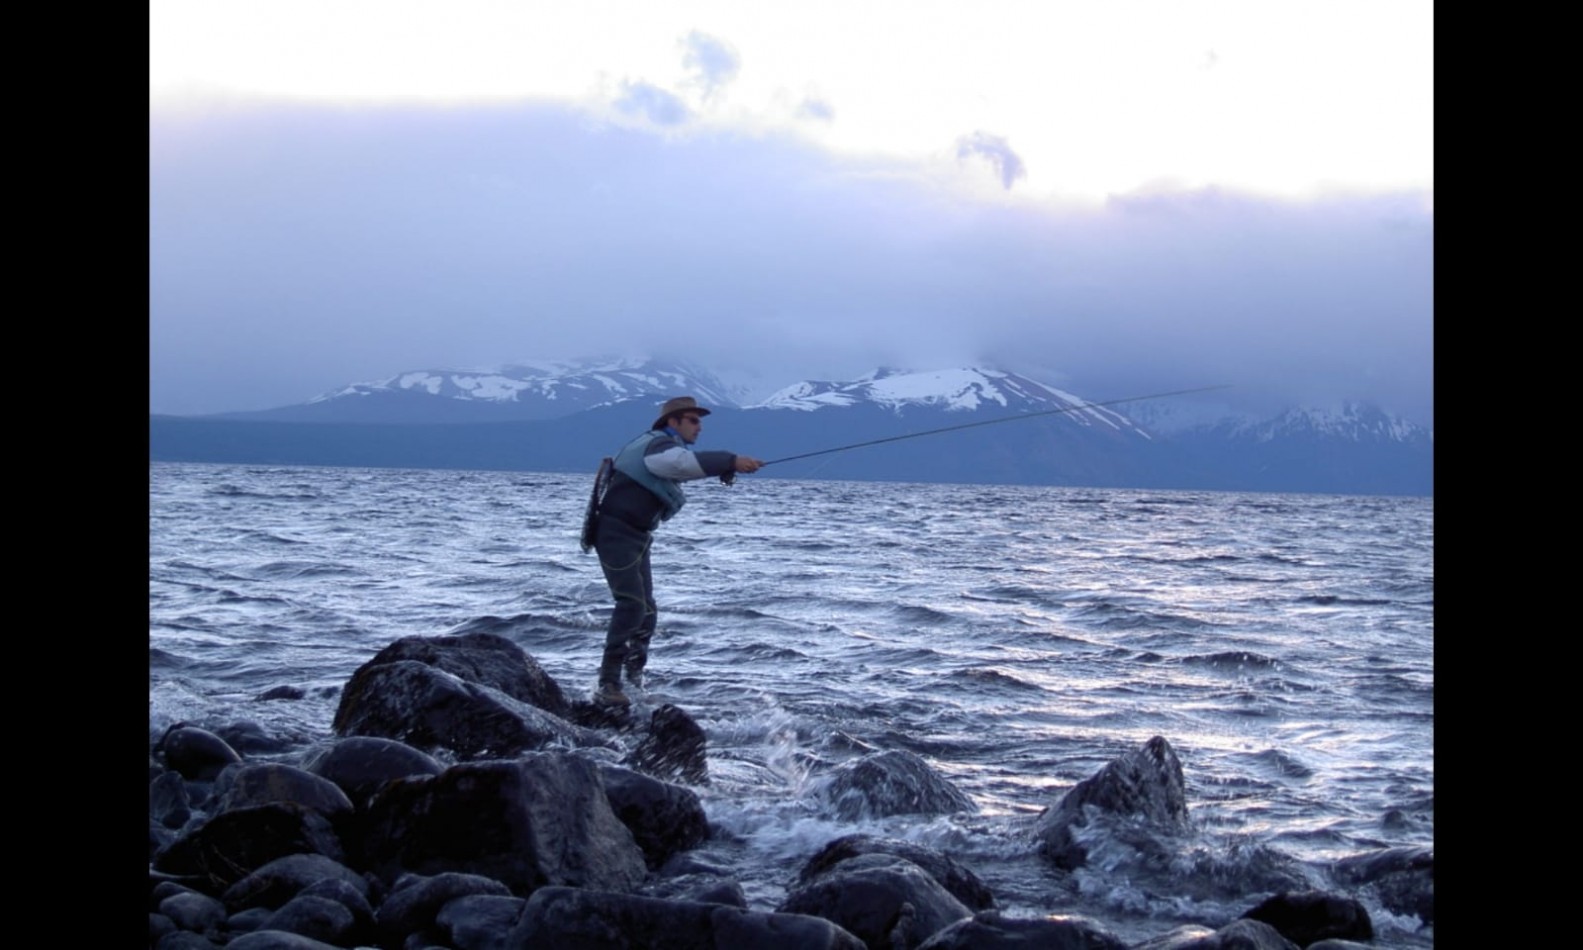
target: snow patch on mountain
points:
(581, 385)
(950, 390)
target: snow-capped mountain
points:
(521, 391)
(984, 425)
(963, 390)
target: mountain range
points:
(996, 427)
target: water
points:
(1017, 638)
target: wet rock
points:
(885, 901)
(479, 921)
(541, 819)
(664, 819)
(1304, 917)
(250, 738)
(963, 884)
(702, 888)
(278, 881)
(989, 930)
(570, 917)
(198, 754)
(232, 844)
(429, 708)
(1237, 935)
(359, 765)
(196, 912)
(1144, 786)
(415, 902)
(320, 918)
(1403, 879)
(482, 657)
(278, 940)
(895, 782)
(673, 749)
(168, 802)
(248, 785)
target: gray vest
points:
(629, 462)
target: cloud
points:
(816, 109)
(296, 250)
(652, 103)
(712, 62)
(993, 149)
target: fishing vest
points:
(629, 462)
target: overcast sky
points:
(1120, 197)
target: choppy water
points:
(1017, 638)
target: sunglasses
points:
(693, 419)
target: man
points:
(644, 490)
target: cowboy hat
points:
(679, 404)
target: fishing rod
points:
(990, 422)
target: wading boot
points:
(610, 694)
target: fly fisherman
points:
(644, 490)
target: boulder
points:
(989, 930)
(1144, 786)
(540, 819)
(198, 754)
(232, 844)
(483, 657)
(1237, 935)
(415, 902)
(896, 782)
(887, 902)
(427, 707)
(478, 921)
(359, 765)
(963, 884)
(278, 881)
(664, 819)
(576, 918)
(673, 749)
(1402, 878)
(247, 785)
(1304, 917)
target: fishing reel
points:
(728, 478)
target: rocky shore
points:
(467, 803)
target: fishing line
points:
(990, 422)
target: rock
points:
(1144, 785)
(247, 785)
(673, 748)
(664, 819)
(540, 819)
(989, 930)
(278, 881)
(168, 802)
(1237, 935)
(963, 884)
(1304, 917)
(700, 888)
(232, 844)
(578, 918)
(199, 755)
(320, 918)
(895, 782)
(1402, 878)
(488, 659)
(196, 912)
(278, 940)
(429, 708)
(881, 899)
(479, 921)
(414, 903)
(359, 765)
(250, 738)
